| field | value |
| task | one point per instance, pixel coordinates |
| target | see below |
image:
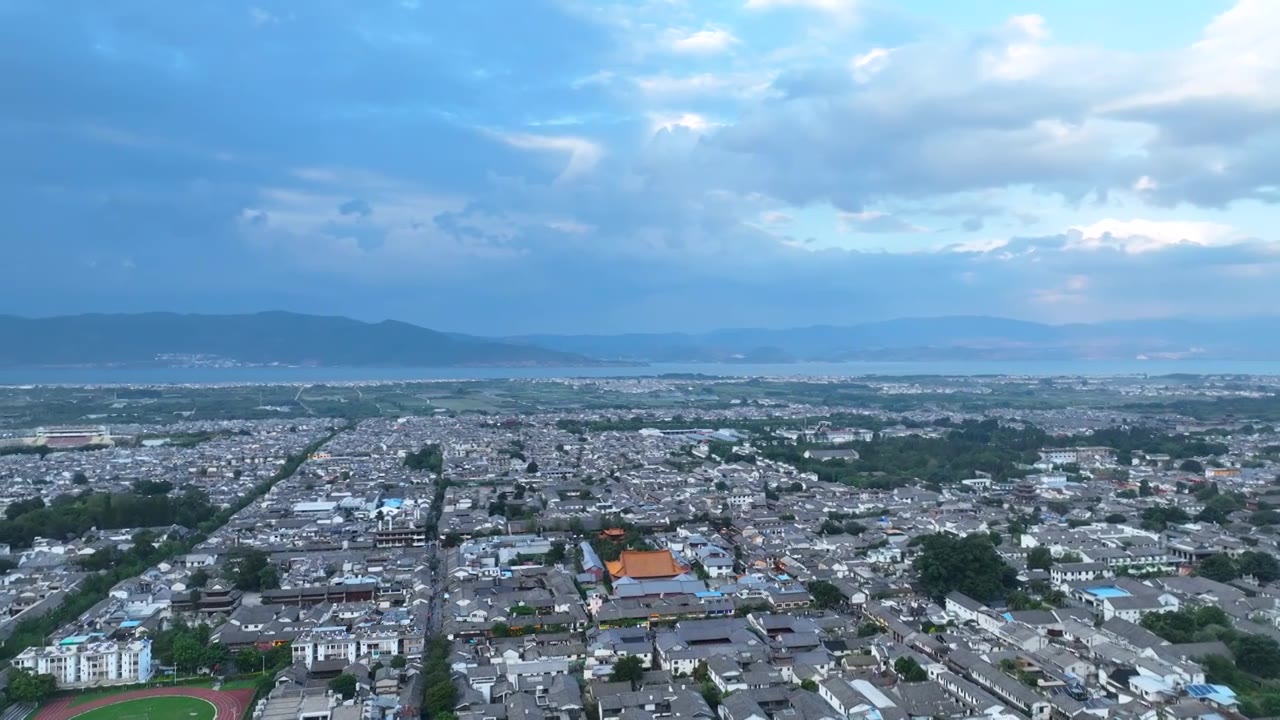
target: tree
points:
(344, 686)
(187, 652)
(556, 554)
(970, 565)
(79, 478)
(500, 630)
(1161, 517)
(628, 669)
(268, 578)
(712, 695)
(1144, 489)
(1262, 566)
(721, 486)
(1117, 519)
(1218, 509)
(1191, 466)
(1265, 517)
(441, 697)
(248, 660)
(26, 686)
(1258, 653)
(868, 629)
(909, 670)
(398, 662)
(1219, 567)
(825, 595)
(1040, 558)
(808, 684)
(250, 570)
(429, 458)
(198, 579)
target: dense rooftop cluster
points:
(767, 562)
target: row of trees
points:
(441, 694)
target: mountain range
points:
(254, 339)
(296, 339)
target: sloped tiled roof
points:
(642, 564)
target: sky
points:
(579, 166)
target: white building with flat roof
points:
(85, 661)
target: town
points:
(932, 548)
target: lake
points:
(296, 375)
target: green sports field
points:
(156, 708)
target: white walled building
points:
(82, 662)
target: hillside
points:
(256, 339)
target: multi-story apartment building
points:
(336, 643)
(84, 661)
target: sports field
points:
(170, 703)
(157, 708)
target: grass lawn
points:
(242, 684)
(156, 708)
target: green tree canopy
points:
(25, 686)
(1262, 566)
(344, 686)
(909, 670)
(628, 669)
(825, 595)
(1219, 567)
(970, 565)
(1040, 558)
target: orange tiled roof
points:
(644, 564)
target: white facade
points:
(83, 664)
(1061, 456)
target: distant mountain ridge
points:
(296, 339)
(941, 338)
(253, 339)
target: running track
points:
(230, 704)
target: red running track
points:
(230, 704)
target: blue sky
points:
(582, 166)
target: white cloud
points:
(873, 221)
(598, 78)
(709, 41)
(842, 9)
(1140, 236)
(868, 64)
(260, 17)
(689, 120)
(571, 226)
(1237, 56)
(1024, 55)
(582, 154)
(704, 85)
(774, 217)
